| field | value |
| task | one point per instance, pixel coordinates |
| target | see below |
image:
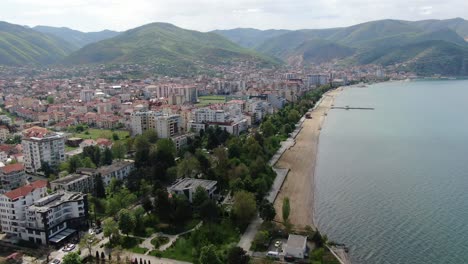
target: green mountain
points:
(168, 48)
(75, 37)
(249, 37)
(21, 45)
(427, 58)
(383, 42)
(459, 25)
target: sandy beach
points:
(300, 159)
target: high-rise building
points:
(12, 176)
(28, 213)
(86, 95)
(41, 145)
(165, 125)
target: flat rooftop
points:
(69, 179)
(44, 204)
(114, 167)
(189, 183)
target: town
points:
(122, 165)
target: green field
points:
(211, 99)
(93, 133)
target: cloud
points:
(93, 15)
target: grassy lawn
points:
(93, 133)
(130, 242)
(181, 250)
(138, 250)
(211, 99)
(221, 235)
(68, 148)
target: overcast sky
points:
(205, 15)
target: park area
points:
(211, 99)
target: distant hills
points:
(74, 37)
(411, 45)
(22, 46)
(168, 48)
(425, 47)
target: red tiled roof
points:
(25, 190)
(12, 167)
(36, 131)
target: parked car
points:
(56, 261)
(91, 231)
(98, 230)
(278, 243)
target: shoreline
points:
(300, 159)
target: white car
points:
(278, 244)
(91, 231)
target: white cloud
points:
(92, 15)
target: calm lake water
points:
(392, 184)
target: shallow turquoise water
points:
(392, 184)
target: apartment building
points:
(188, 186)
(28, 213)
(12, 176)
(118, 170)
(4, 133)
(41, 145)
(202, 115)
(74, 183)
(165, 125)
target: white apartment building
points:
(28, 213)
(118, 170)
(186, 93)
(12, 176)
(86, 95)
(74, 183)
(202, 115)
(41, 145)
(165, 125)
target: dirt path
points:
(301, 159)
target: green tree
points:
(237, 255)
(71, 258)
(127, 221)
(199, 197)
(208, 255)
(106, 157)
(268, 129)
(267, 211)
(286, 209)
(119, 150)
(317, 255)
(111, 230)
(147, 204)
(50, 99)
(115, 136)
(183, 211)
(261, 238)
(46, 169)
(293, 116)
(87, 242)
(209, 211)
(151, 136)
(100, 191)
(244, 207)
(88, 163)
(142, 151)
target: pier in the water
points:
(352, 108)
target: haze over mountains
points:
(425, 47)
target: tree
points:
(268, 129)
(244, 207)
(118, 150)
(209, 211)
(237, 255)
(87, 242)
(127, 221)
(267, 211)
(46, 169)
(107, 157)
(100, 191)
(286, 209)
(183, 211)
(199, 197)
(115, 136)
(162, 204)
(50, 99)
(71, 258)
(147, 204)
(208, 255)
(261, 238)
(111, 230)
(142, 150)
